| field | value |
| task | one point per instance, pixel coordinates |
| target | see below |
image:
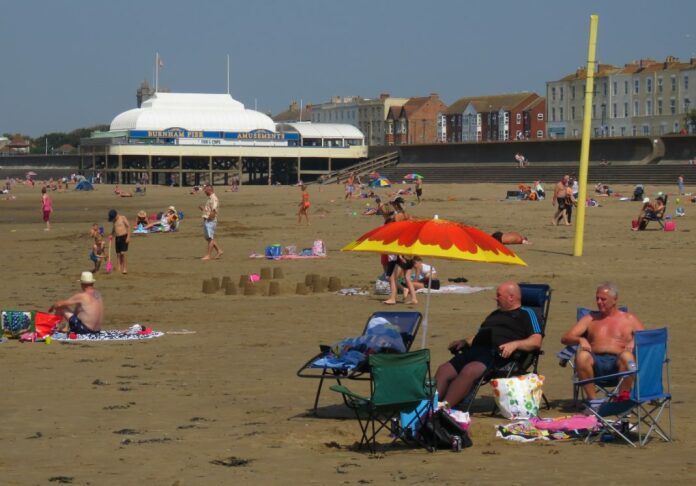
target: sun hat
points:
(142, 214)
(646, 200)
(171, 208)
(112, 215)
(87, 278)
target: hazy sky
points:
(68, 64)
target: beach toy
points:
(355, 213)
(254, 277)
(48, 339)
(678, 200)
(278, 273)
(679, 212)
(230, 289)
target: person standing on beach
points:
(210, 213)
(559, 197)
(419, 188)
(121, 232)
(680, 184)
(46, 207)
(350, 186)
(304, 205)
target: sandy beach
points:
(174, 410)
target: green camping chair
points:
(398, 383)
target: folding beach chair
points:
(536, 299)
(321, 368)
(399, 383)
(658, 216)
(648, 399)
(566, 356)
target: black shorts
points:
(469, 355)
(419, 192)
(561, 202)
(121, 244)
(406, 264)
(78, 327)
(391, 266)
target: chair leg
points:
(316, 398)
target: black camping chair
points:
(408, 323)
(537, 298)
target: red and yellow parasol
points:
(438, 238)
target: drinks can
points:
(456, 443)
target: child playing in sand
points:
(98, 249)
(304, 205)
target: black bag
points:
(445, 433)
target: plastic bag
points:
(518, 397)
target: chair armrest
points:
(622, 374)
(345, 391)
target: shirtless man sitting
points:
(88, 314)
(604, 340)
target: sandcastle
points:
(269, 282)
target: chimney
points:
(293, 106)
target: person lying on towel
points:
(507, 329)
(87, 315)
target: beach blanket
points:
(134, 333)
(454, 289)
(350, 353)
(561, 428)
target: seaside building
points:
(191, 138)
(416, 121)
(645, 97)
(517, 116)
(368, 115)
(295, 113)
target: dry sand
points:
(162, 411)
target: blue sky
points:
(68, 64)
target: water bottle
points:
(632, 366)
(456, 443)
(394, 428)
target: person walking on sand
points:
(121, 232)
(46, 207)
(680, 184)
(559, 197)
(304, 205)
(419, 188)
(210, 213)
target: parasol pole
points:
(585, 144)
(427, 310)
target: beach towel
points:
(454, 289)
(540, 429)
(353, 291)
(135, 333)
(288, 257)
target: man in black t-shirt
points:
(506, 330)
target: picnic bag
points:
(444, 432)
(15, 323)
(518, 397)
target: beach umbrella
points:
(380, 182)
(412, 177)
(435, 238)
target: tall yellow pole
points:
(585, 145)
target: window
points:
(604, 88)
(572, 113)
(553, 94)
(636, 108)
(673, 79)
(623, 131)
(625, 115)
(648, 108)
(634, 130)
(614, 113)
(687, 104)
(561, 93)
(611, 131)
(540, 116)
(560, 113)
(636, 86)
(686, 82)
(614, 88)
(672, 106)
(625, 87)
(540, 134)
(659, 107)
(648, 85)
(594, 111)
(659, 85)
(518, 118)
(553, 114)
(646, 130)
(572, 92)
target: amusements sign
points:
(181, 136)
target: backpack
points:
(444, 432)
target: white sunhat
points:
(646, 200)
(87, 278)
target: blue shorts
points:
(605, 364)
(78, 327)
(93, 257)
(209, 229)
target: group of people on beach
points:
(564, 198)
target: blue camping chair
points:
(566, 357)
(318, 367)
(648, 399)
(537, 299)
